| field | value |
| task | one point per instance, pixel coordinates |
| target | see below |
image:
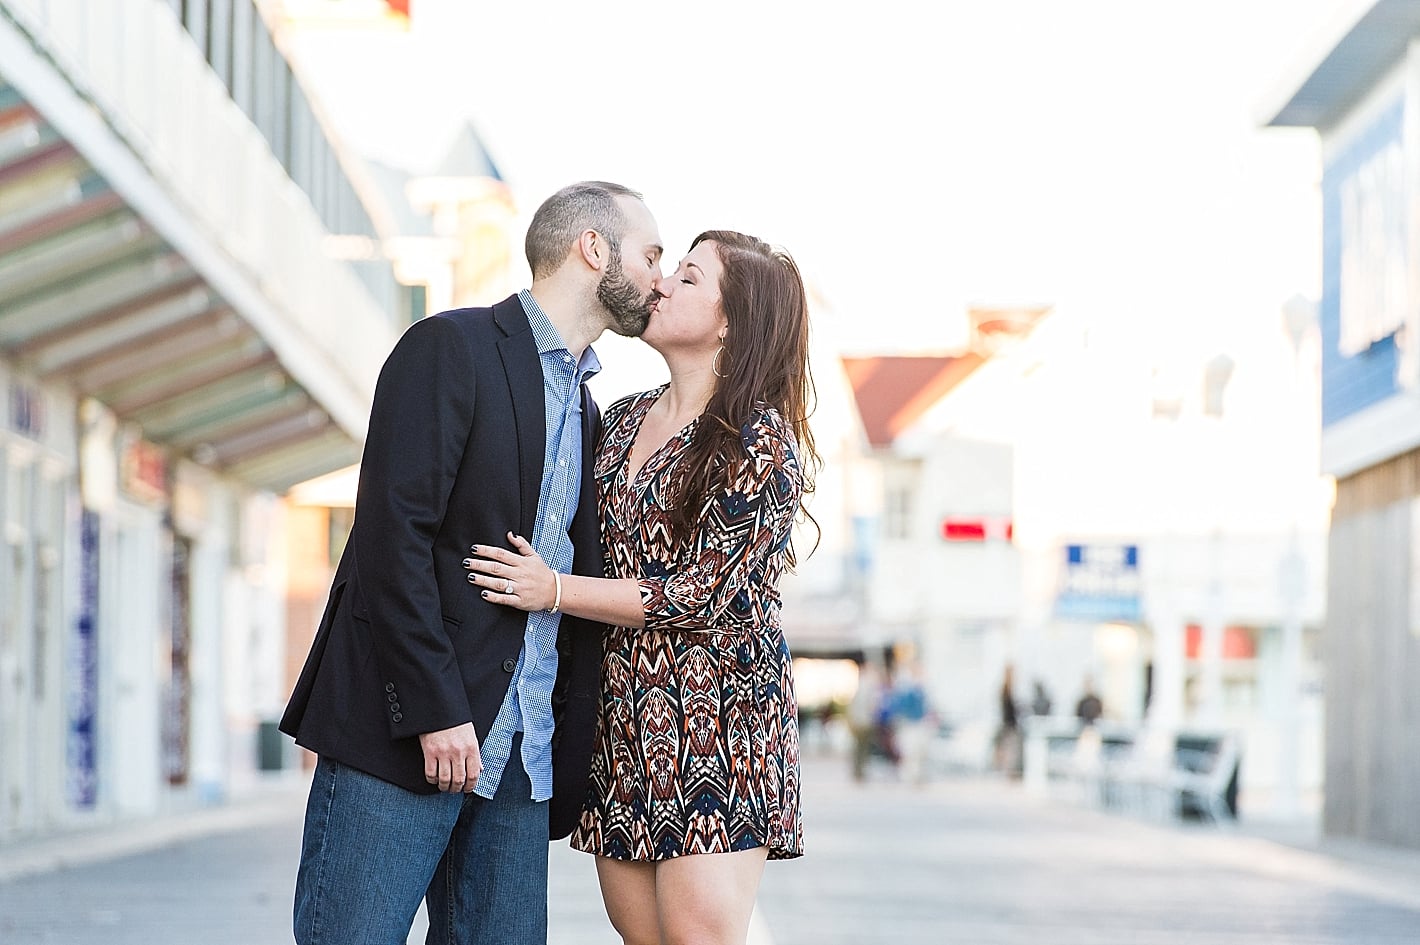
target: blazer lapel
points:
(591, 433)
(586, 532)
(523, 370)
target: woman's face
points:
(687, 317)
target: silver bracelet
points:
(556, 576)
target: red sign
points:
(145, 471)
(978, 529)
(1238, 643)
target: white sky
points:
(1101, 155)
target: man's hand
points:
(451, 758)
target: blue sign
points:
(83, 689)
(1100, 583)
(26, 410)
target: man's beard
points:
(630, 311)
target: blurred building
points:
(446, 230)
(943, 576)
(452, 233)
(824, 615)
(1361, 92)
(1078, 505)
(177, 349)
(944, 584)
(446, 226)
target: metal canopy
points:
(92, 296)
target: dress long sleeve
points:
(708, 587)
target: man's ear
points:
(592, 248)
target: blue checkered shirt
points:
(527, 708)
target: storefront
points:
(1363, 98)
(37, 480)
(177, 349)
(127, 583)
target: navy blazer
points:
(406, 645)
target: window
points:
(897, 512)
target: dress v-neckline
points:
(633, 478)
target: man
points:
(912, 722)
(444, 723)
(864, 713)
(1090, 707)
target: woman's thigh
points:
(708, 897)
(629, 893)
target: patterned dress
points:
(697, 738)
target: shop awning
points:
(92, 296)
(1368, 39)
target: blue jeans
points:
(372, 850)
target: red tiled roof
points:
(892, 392)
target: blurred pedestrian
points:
(695, 778)
(911, 722)
(1089, 708)
(863, 717)
(1008, 733)
(432, 712)
(1040, 703)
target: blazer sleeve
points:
(419, 426)
(739, 528)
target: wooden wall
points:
(1371, 653)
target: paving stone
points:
(969, 860)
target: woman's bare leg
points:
(707, 899)
(629, 893)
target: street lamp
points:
(1217, 372)
(1298, 316)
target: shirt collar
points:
(547, 338)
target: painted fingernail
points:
(471, 579)
(473, 548)
(485, 593)
(468, 562)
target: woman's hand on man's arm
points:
(520, 578)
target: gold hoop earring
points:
(715, 362)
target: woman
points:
(695, 780)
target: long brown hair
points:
(765, 360)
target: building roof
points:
(893, 392)
(1374, 36)
(467, 157)
(391, 183)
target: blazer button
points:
(509, 665)
(398, 716)
(394, 707)
(389, 687)
(393, 697)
